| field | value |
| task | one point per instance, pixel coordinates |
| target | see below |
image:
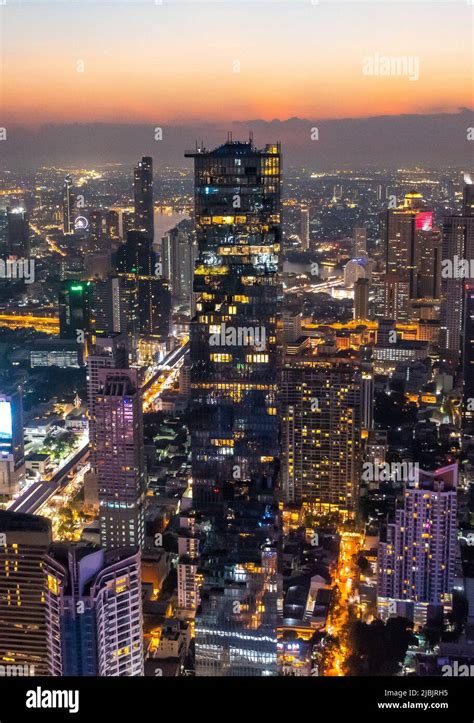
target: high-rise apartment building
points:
(93, 611)
(322, 420)
(119, 457)
(417, 551)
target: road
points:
(38, 494)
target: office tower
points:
(96, 224)
(12, 451)
(359, 238)
(145, 294)
(23, 636)
(458, 244)
(292, 326)
(69, 206)
(112, 225)
(361, 299)
(233, 346)
(236, 623)
(75, 309)
(18, 232)
(93, 611)
(179, 252)
(304, 228)
(468, 355)
(127, 223)
(417, 551)
(120, 458)
(109, 311)
(392, 300)
(427, 276)
(403, 229)
(143, 195)
(321, 431)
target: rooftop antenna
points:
(229, 136)
(251, 138)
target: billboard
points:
(6, 429)
(424, 221)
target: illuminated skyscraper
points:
(403, 229)
(18, 232)
(93, 611)
(119, 457)
(468, 355)
(144, 293)
(179, 252)
(417, 551)
(75, 309)
(69, 203)
(304, 227)
(322, 419)
(23, 635)
(234, 423)
(143, 195)
(458, 245)
(234, 364)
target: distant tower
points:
(18, 232)
(361, 299)
(143, 194)
(69, 202)
(304, 228)
(458, 242)
(75, 309)
(359, 238)
(120, 458)
(179, 252)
